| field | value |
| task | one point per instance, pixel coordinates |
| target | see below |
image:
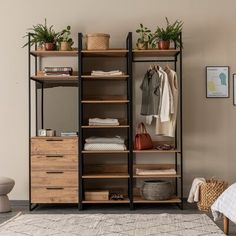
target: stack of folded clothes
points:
(155, 172)
(105, 144)
(106, 73)
(58, 71)
(106, 121)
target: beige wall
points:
(209, 39)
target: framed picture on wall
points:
(217, 81)
(234, 89)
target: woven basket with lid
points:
(97, 41)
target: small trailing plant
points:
(41, 34)
(170, 33)
(65, 36)
(144, 35)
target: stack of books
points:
(58, 71)
(69, 134)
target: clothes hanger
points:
(167, 67)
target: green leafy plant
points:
(144, 35)
(170, 33)
(41, 34)
(65, 36)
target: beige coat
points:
(167, 128)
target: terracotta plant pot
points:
(142, 46)
(49, 46)
(163, 45)
(65, 46)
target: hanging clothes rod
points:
(154, 60)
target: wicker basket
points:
(209, 192)
(97, 41)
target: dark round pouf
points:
(156, 190)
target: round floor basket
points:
(156, 190)
(209, 192)
(97, 41)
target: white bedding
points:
(104, 147)
(225, 204)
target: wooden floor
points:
(21, 206)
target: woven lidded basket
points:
(209, 192)
(97, 41)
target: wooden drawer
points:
(54, 178)
(54, 162)
(54, 145)
(54, 195)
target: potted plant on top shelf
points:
(43, 36)
(64, 39)
(164, 36)
(144, 37)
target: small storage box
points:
(97, 41)
(97, 195)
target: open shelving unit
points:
(125, 127)
(75, 162)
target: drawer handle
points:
(54, 188)
(58, 156)
(54, 172)
(54, 140)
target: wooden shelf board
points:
(104, 126)
(155, 53)
(54, 137)
(156, 151)
(108, 201)
(56, 79)
(104, 101)
(106, 176)
(105, 53)
(92, 77)
(139, 199)
(72, 53)
(156, 176)
(97, 152)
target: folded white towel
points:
(194, 191)
(105, 140)
(108, 73)
(155, 172)
(101, 124)
(108, 121)
(104, 147)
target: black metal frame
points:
(234, 92)
(180, 153)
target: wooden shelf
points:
(156, 151)
(56, 79)
(97, 152)
(105, 53)
(106, 176)
(94, 78)
(156, 176)
(104, 126)
(104, 101)
(72, 53)
(108, 201)
(139, 199)
(156, 53)
(55, 137)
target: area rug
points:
(110, 225)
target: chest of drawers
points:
(54, 170)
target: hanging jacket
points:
(151, 94)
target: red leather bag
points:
(142, 138)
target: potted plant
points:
(144, 37)
(64, 39)
(163, 37)
(43, 36)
